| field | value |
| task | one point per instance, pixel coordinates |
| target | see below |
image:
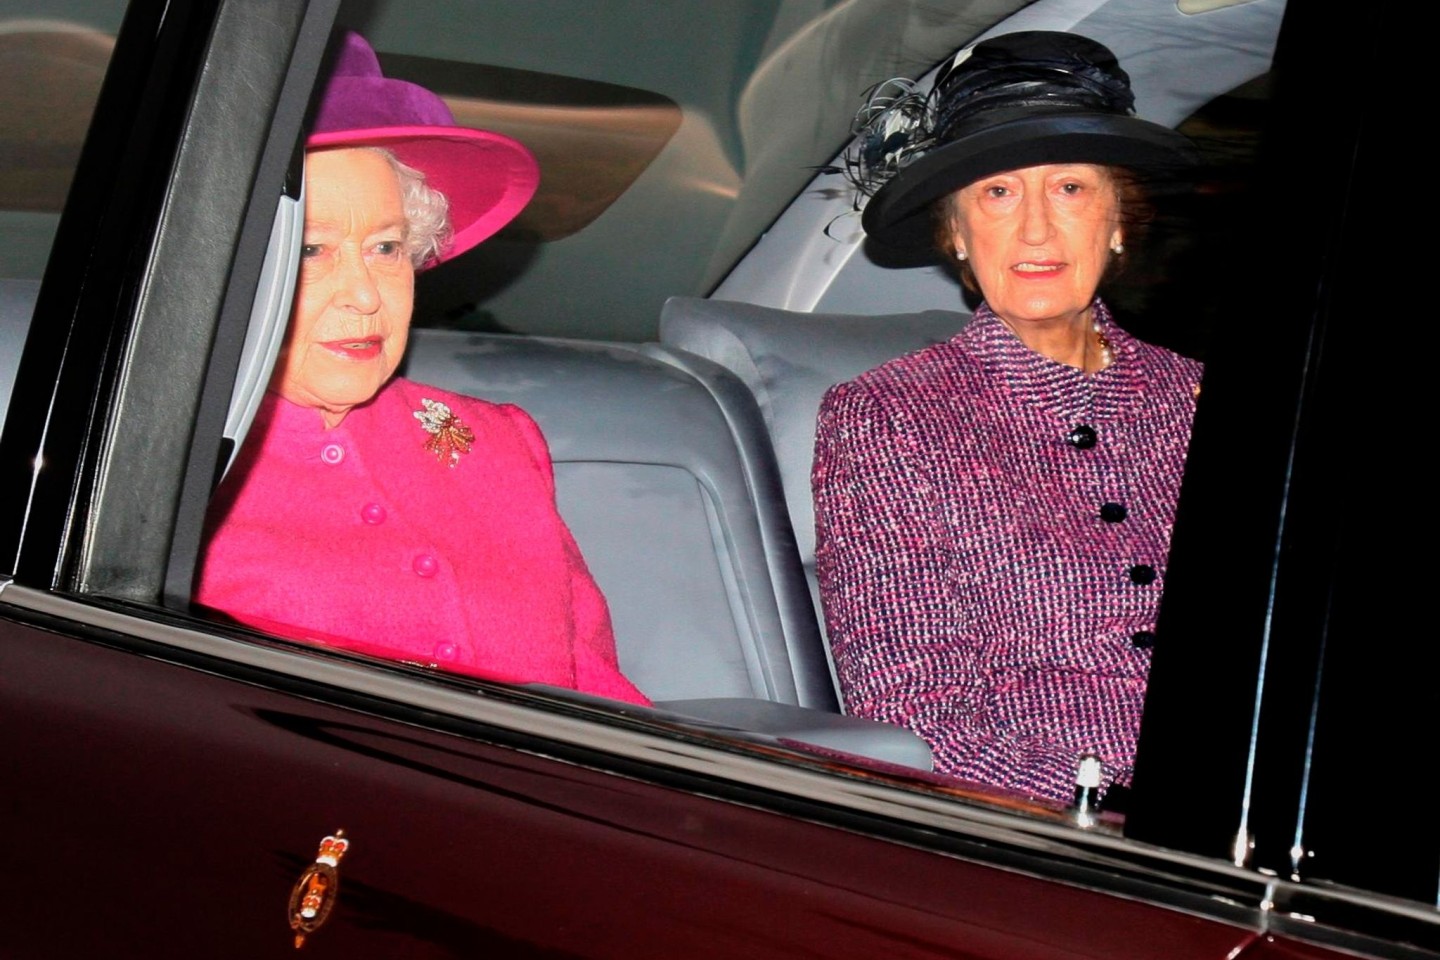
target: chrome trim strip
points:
(1351, 919)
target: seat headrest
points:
(788, 360)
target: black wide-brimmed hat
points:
(1014, 101)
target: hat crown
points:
(359, 97)
(485, 177)
(1037, 70)
(355, 58)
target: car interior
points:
(678, 398)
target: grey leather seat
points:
(670, 517)
(779, 364)
(675, 500)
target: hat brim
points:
(487, 177)
(898, 215)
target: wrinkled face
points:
(1038, 239)
(357, 286)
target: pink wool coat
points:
(360, 537)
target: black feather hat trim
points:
(1014, 101)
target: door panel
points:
(165, 808)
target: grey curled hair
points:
(427, 213)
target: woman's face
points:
(1038, 239)
(357, 286)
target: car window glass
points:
(52, 60)
(585, 398)
(673, 128)
(1167, 294)
(761, 107)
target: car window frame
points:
(90, 288)
(1283, 778)
(158, 249)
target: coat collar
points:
(1059, 388)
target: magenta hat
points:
(488, 178)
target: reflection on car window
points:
(763, 94)
(50, 75)
(643, 126)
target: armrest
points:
(833, 731)
(763, 719)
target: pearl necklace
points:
(1107, 355)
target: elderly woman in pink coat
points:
(380, 515)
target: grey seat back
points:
(651, 480)
(786, 362)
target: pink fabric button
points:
(446, 651)
(372, 513)
(332, 453)
(425, 565)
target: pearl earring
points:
(1117, 248)
(961, 255)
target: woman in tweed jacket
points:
(993, 513)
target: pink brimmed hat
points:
(487, 177)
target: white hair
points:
(427, 213)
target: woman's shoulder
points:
(1162, 365)
(935, 371)
(491, 423)
(909, 396)
(473, 410)
(414, 394)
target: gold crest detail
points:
(313, 896)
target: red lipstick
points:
(365, 348)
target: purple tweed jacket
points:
(991, 530)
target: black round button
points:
(1142, 574)
(1081, 437)
(1142, 639)
(1113, 512)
